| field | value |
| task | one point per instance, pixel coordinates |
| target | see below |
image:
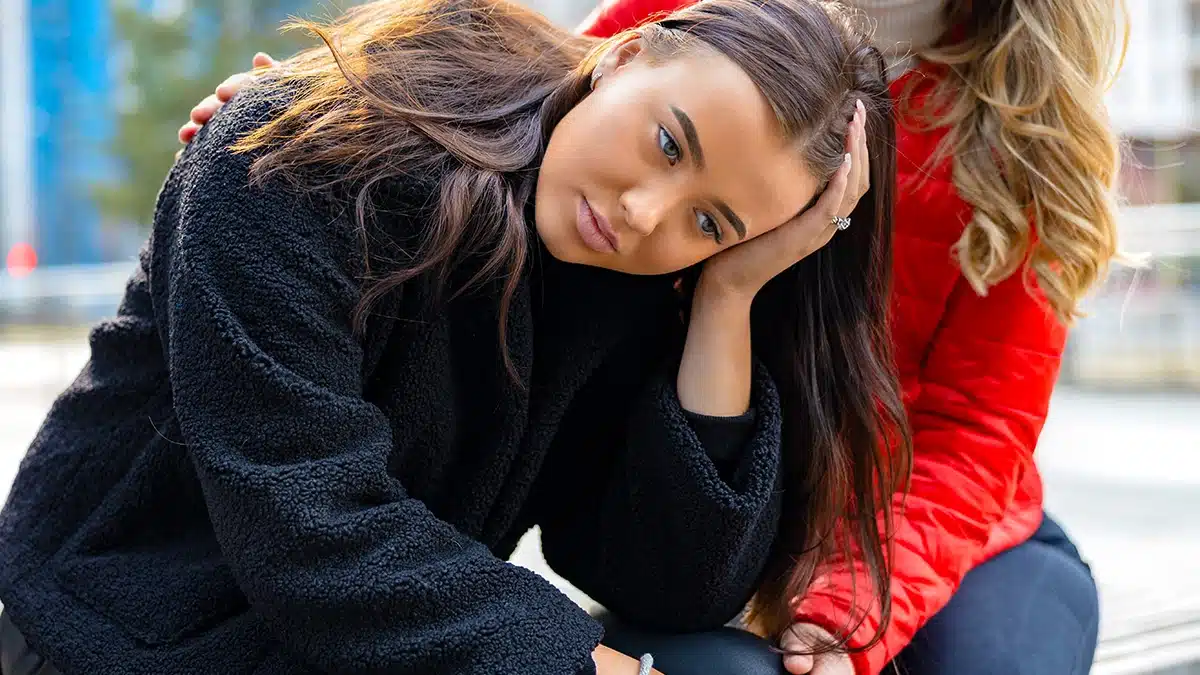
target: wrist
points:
(715, 369)
(714, 293)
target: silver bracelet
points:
(647, 662)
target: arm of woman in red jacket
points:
(984, 392)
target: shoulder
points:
(210, 215)
(917, 138)
(928, 204)
(210, 187)
(209, 161)
(258, 103)
(209, 171)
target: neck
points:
(903, 27)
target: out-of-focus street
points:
(1122, 472)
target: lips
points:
(594, 229)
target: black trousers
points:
(16, 656)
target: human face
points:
(665, 164)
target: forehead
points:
(748, 163)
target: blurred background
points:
(93, 91)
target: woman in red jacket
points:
(1005, 218)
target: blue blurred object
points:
(70, 41)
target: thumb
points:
(798, 665)
(795, 664)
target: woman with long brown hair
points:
(439, 281)
(1005, 218)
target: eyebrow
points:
(693, 143)
(733, 219)
(689, 133)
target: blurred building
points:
(1155, 102)
(56, 85)
(1143, 326)
(1155, 94)
(16, 192)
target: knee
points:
(1056, 613)
(1031, 611)
(1070, 579)
(727, 651)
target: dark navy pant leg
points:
(727, 651)
(1032, 610)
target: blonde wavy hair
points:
(1034, 151)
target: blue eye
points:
(667, 144)
(709, 226)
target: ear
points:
(617, 57)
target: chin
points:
(562, 255)
(559, 243)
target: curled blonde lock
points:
(1026, 96)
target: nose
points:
(646, 208)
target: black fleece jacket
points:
(238, 483)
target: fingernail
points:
(847, 160)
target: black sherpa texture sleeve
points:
(349, 572)
(668, 543)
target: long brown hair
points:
(1035, 154)
(470, 90)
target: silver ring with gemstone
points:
(842, 222)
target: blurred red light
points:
(22, 260)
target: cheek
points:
(667, 253)
(577, 136)
(611, 133)
(565, 143)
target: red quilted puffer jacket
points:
(977, 373)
